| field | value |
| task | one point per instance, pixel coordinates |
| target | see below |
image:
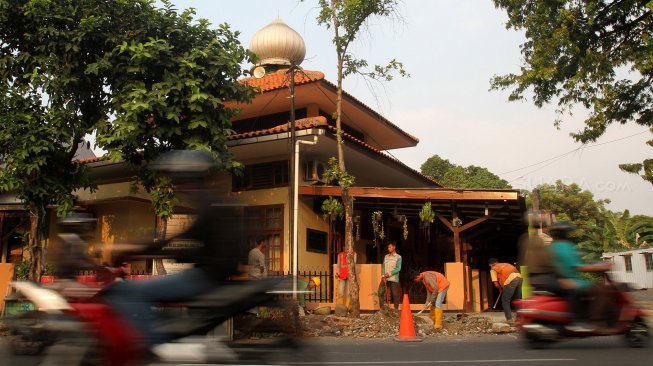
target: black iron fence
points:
(323, 292)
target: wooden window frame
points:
(628, 263)
(253, 176)
(648, 261)
(269, 232)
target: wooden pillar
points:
(4, 245)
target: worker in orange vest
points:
(342, 274)
(507, 278)
(436, 288)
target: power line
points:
(558, 157)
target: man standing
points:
(506, 278)
(390, 276)
(436, 290)
(342, 274)
(256, 259)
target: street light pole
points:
(291, 184)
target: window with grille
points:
(268, 222)
(629, 263)
(258, 176)
(316, 241)
(648, 258)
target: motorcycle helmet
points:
(561, 230)
(184, 163)
(538, 219)
(80, 223)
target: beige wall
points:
(123, 222)
(307, 219)
(111, 191)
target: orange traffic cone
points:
(406, 325)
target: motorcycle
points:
(89, 332)
(543, 319)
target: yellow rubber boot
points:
(438, 318)
(432, 315)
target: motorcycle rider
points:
(215, 248)
(535, 256)
(569, 263)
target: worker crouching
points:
(436, 289)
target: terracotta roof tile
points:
(300, 124)
(320, 121)
(276, 81)
(281, 80)
(92, 160)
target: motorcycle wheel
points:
(534, 342)
(638, 335)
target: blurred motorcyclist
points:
(215, 255)
(569, 263)
(535, 256)
(71, 253)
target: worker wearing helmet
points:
(304, 285)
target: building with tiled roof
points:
(261, 142)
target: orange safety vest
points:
(344, 271)
(504, 270)
(442, 281)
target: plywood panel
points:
(6, 273)
(476, 291)
(455, 296)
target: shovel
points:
(426, 307)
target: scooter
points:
(91, 333)
(543, 319)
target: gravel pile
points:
(386, 325)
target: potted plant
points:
(332, 209)
(426, 215)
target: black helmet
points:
(184, 163)
(78, 222)
(538, 219)
(77, 218)
(561, 230)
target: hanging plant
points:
(426, 214)
(332, 209)
(456, 222)
(382, 232)
(358, 231)
(376, 218)
(405, 227)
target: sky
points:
(452, 49)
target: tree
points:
(146, 79)
(346, 18)
(435, 168)
(571, 203)
(619, 231)
(456, 176)
(591, 53)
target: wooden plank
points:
(416, 193)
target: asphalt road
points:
(499, 350)
(487, 350)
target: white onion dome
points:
(278, 44)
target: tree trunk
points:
(160, 234)
(33, 251)
(354, 305)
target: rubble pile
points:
(386, 325)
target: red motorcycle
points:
(544, 318)
(84, 330)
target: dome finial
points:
(277, 44)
